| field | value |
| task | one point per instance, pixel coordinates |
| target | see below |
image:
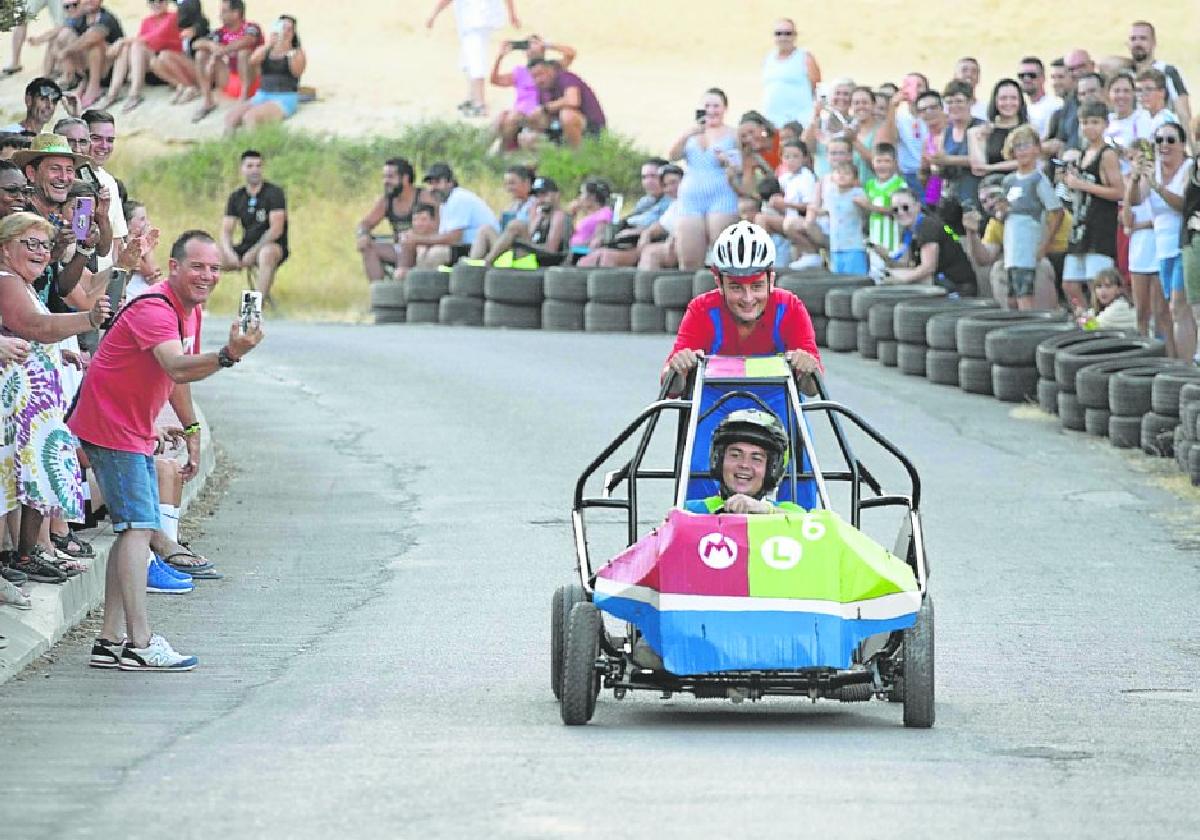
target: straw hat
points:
(47, 145)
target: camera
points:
(520, 45)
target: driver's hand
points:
(802, 361)
(741, 503)
(683, 361)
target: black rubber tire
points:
(971, 331)
(910, 358)
(861, 300)
(426, 285)
(512, 285)
(467, 280)
(1047, 395)
(1157, 435)
(579, 677)
(1129, 390)
(422, 312)
(391, 315)
(611, 285)
(1190, 392)
(673, 291)
(562, 282)
(702, 281)
(820, 329)
(562, 316)
(646, 318)
(941, 367)
(888, 352)
(564, 600)
(940, 329)
(454, 310)
(1016, 346)
(1183, 448)
(1095, 421)
(1124, 432)
(1068, 362)
(838, 303)
(511, 316)
(672, 319)
(841, 335)
(1193, 468)
(1165, 390)
(1189, 417)
(1014, 384)
(919, 710)
(606, 317)
(813, 287)
(879, 320)
(643, 286)
(1046, 350)
(910, 316)
(1092, 382)
(867, 345)
(388, 294)
(975, 375)
(1070, 412)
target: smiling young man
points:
(748, 457)
(149, 356)
(746, 315)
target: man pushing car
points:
(745, 315)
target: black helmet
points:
(760, 428)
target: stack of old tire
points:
(874, 335)
(943, 361)
(1047, 386)
(610, 300)
(1093, 387)
(424, 289)
(909, 319)
(813, 288)
(1161, 427)
(671, 291)
(1187, 434)
(1009, 353)
(388, 304)
(513, 298)
(565, 295)
(1129, 400)
(1068, 361)
(463, 306)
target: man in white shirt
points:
(460, 217)
(1142, 42)
(1040, 105)
(103, 134)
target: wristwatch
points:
(224, 359)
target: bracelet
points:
(87, 253)
(191, 429)
(225, 359)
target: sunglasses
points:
(1164, 139)
(1147, 88)
(35, 245)
(15, 190)
(1028, 75)
(1020, 147)
(784, 33)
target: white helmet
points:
(743, 249)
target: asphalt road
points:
(375, 662)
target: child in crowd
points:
(424, 222)
(749, 209)
(882, 227)
(771, 213)
(1035, 214)
(1111, 309)
(847, 206)
(798, 185)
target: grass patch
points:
(330, 183)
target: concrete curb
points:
(58, 609)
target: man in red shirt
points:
(745, 315)
(224, 52)
(146, 358)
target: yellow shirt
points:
(993, 234)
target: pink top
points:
(527, 92)
(125, 387)
(933, 187)
(586, 228)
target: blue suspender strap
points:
(714, 315)
(777, 335)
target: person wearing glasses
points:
(930, 251)
(790, 76)
(14, 189)
(1031, 74)
(1162, 181)
(42, 96)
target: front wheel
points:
(580, 680)
(918, 669)
(565, 597)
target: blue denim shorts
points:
(130, 486)
(1170, 274)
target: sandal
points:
(12, 71)
(14, 597)
(70, 547)
(194, 564)
(204, 111)
(134, 101)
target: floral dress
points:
(39, 466)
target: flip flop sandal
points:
(203, 112)
(11, 596)
(134, 101)
(12, 71)
(189, 567)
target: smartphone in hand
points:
(251, 310)
(81, 219)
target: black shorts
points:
(242, 248)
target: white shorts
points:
(33, 8)
(1080, 268)
(1142, 256)
(473, 52)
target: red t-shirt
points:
(125, 387)
(784, 325)
(161, 32)
(226, 36)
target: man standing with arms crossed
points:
(149, 356)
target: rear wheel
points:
(918, 669)
(565, 597)
(580, 680)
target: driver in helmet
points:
(749, 455)
(745, 315)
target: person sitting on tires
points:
(746, 315)
(749, 455)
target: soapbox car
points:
(748, 606)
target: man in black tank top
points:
(396, 206)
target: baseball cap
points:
(439, 172)
(543, 185)
(41, 86)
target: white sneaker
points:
(807, 261)
(156, 656)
